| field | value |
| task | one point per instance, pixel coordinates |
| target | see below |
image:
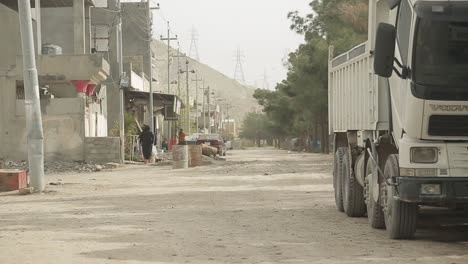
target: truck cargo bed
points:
(356, 96)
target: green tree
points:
(298, 107)
(256, 127)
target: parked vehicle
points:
(398, 109)
(213, 140)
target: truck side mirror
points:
(384, 53)
(393, 3)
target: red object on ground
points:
(13, 180)
(172, 143)
(90, 89)
(80, 86)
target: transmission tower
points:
(239, 71)
(266, 84)
(193, 53)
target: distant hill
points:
(224, 87)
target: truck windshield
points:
(441, 45)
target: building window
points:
(101, 3)
(100, 38)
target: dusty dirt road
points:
(260, 206)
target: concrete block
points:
(12, 180)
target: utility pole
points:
(196, 98)
(168, 38)
(150, 57)
(209, 111)
(178, 70)
(187, 97)
(266, 84)
(121, 90)
(32, 102)
(203, 106)
(179, 93)
(37, 5)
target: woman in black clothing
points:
(146, 142)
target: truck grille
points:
(451, 126)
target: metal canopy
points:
(159, 98)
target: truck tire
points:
(374, 209)
(338, 178)
(353, 194)
(400, 217)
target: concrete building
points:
(72, 83)
(79, 80)
(137, 64)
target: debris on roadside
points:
(26, 191)
(55, 167)
(209, 151)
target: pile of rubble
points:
(54, 167)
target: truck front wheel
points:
(374, 210)
(400, 217)
(338, 178)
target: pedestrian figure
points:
(164, 145)
(146, 142)
(182, 137)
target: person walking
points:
(182, 137)
(146, 143)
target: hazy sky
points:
(260, 28)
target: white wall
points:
(95, 121)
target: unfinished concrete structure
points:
(79, 85)
(73, 89)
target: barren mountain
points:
(225, 88)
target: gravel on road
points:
(258, 206)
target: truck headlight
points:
(424, 155)
(430, 189)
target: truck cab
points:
(414, 152)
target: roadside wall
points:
(64, 130)
(102, 149)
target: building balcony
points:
(60, 72)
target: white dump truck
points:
(398, 110)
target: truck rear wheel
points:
(338, 178)
(353, 194)
(400, 217)
(374, 210)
